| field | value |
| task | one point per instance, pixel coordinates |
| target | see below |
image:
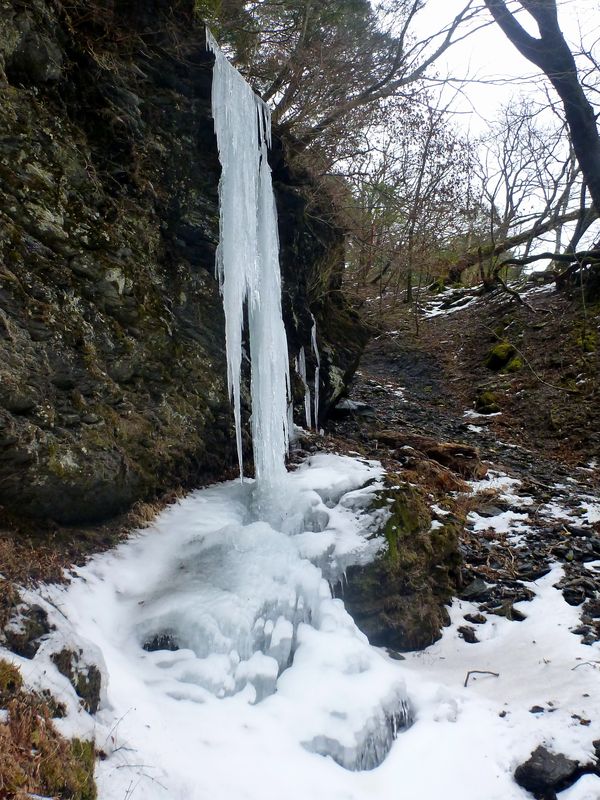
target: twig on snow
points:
(480, 672)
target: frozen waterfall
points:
(248, 266)
(226, 653)
(228, 668)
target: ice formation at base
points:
(219, 620)
(248, 266)
(165, 736)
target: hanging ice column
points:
(315, 349)
(301, 370)
(248, 265)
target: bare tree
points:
(551, 53)
(412, 189)
(529, 178)
(326, 67)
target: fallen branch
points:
(480, 672)
(513, 292)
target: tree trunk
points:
(552, 55)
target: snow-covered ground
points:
(272, 691)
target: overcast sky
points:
(488, 55)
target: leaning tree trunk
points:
(552, 55)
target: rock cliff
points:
(112, 366)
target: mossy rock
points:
(408, 515)
(24, 637)
(499, 356)
(399, 599)
(486, 402)
(86, 679)
(514, 365)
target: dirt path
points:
(531, 512)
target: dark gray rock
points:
(476, 590)
(349, 408)
(545, 773)
(467, 633)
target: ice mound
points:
(357, 702)
(230, 595)
(234, 596)
(371, 745)
(215, 621)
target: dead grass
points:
(33, 552)
(34, 757)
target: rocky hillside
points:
(112, 373)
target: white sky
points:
(488, 55)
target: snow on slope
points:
(212, 719)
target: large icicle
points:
(248, 266)
(315, 349)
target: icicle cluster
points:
(248, 266)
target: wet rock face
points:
(112, 363)
(312, 263)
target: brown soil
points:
(549, 403)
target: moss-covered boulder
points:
(503, 357)
(486, 402)
(399, 600)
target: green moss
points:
(408, 516)
(61, 462)
(588, 341)
(10, 681)
(514, 365)
(486, 402)
(439, 285)
(499, 356)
